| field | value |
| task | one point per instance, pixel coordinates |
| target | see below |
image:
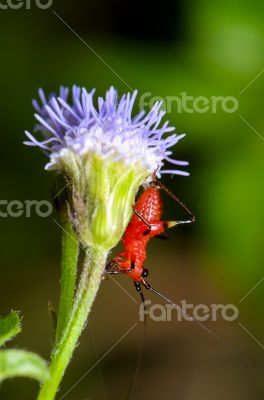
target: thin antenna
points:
(99, 364)
(139, 355)
(204, 327)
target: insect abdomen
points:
(150, 204)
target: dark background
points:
(202, 48)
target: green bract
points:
(101, 195)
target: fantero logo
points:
(27, 4)
(17, 208)
(187, 312)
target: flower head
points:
(104, 154)
(108, 130)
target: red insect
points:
(145, 223)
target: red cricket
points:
(145, 223)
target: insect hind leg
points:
(177, 200)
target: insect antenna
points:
(209, 331)
(176, 199)
(140, 353)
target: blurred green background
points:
(202, 48)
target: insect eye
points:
(145, 273)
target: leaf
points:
(20, 363)
(10, 326)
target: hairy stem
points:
(70, 251)
(90, 279)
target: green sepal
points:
(101, 195)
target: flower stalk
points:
(70, 252)
(93, 268)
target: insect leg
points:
(162, 236)
(138, 289)
(140, 216)
(115, 261)
(120, 270)
(109, 265)
(175, 198)
(152, 228)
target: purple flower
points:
(108, 130)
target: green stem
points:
(70, 251)
(90, 279)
